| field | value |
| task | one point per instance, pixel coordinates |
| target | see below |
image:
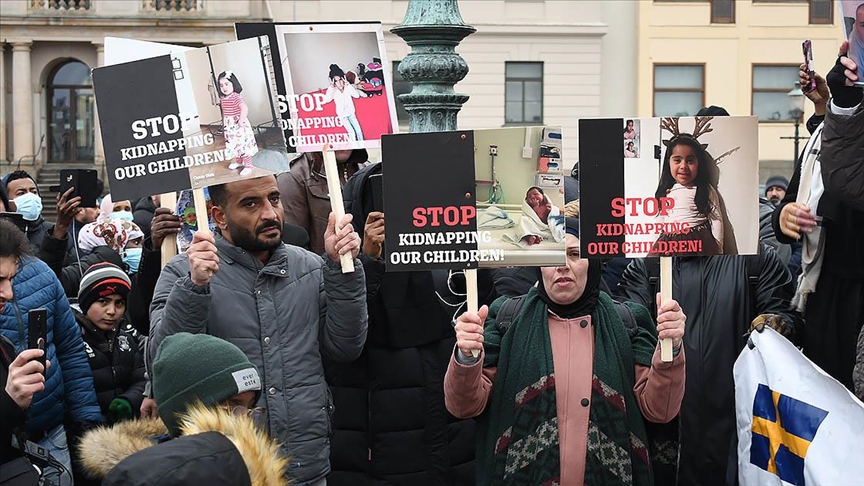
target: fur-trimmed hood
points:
(104, 448)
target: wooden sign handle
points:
(665, 296)
(169, 245)
(336, 204)
(473, 303)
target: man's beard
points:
(251, 242)
(774, 200)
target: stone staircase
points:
(49, 176)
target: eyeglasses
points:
(257, 414)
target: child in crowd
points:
(240, 143)
(205, 390)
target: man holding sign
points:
(582, 380)
(283, 306)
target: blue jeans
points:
(55, 442)
(353, 127)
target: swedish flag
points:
(783, 429)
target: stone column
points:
(433, 29)
(99, 151)
(2, 102)
(22, 103)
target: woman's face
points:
(122, 206)
(339, 82)
(565, 284)
(629, 125)
(683, 164)
(226, 86)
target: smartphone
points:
(84, 182)
(37, 332)
(376, 189)
(807, 47)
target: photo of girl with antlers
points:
(689, 176)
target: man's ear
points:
(219, 217)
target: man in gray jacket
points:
(282, 305)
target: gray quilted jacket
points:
(284, 315)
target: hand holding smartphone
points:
(84, 182)
(37, 332)
(807, 47)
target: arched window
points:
(70, 111)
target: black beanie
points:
(777, 181)
(101, 280)
(335, 70)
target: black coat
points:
(143, 214)
(718, 300)
(117, 361)
(390, 422)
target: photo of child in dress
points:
(342, 94)
(853, 23)
(630, 151)
(689, 176)
(240, 141)
(235, 129)
(630, 132)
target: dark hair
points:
(13, 242)
(533, 188)
(234, 82)
(218, 195)
(630, 142)
(335, 70)
(628, 122)
(704, 173)
(17, 175)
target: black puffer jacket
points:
(116, 360)
(718, 300)
(390, 422)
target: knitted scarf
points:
(518, 437)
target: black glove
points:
(843, 96)
(774, 321)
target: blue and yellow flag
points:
(796, 425)
(783, 428)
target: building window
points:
(70, 108)
(523, 92)
(679, 90)
(400, 86)
(722, 11)
(173, 5)
(60, 4)
(771, 85)
(821, 11)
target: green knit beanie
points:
(190, 367)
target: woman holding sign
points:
(568, 372)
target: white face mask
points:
(29, 206)
(125, 215)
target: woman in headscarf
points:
(562, 383)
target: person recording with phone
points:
(28, 284)
(824, 209)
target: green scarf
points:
(518, 437)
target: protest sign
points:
(668, 187)
(190, 119)
(333, 83)
(852, 12)
(469, 199)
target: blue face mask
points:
(122, 215)
(133, 259)
(29, 206)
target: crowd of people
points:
(251, 358)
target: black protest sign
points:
(429, 201)
(469, 199)
(190, 119)
(127, 95)
(668, 187)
